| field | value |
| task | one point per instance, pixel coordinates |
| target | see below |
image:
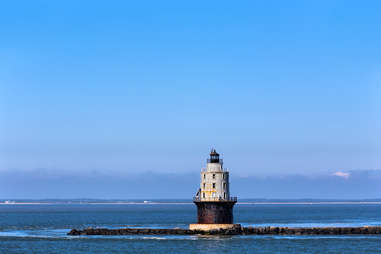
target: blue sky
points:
(278, 87)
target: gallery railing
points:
(222, 169)
(231, 199)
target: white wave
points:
(317, 224)
(310, 237)
(40, 233)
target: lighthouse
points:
(213, 200)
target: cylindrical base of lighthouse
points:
(214, 212)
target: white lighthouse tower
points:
(214, 185)
(213, 201)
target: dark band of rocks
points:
(367, 230)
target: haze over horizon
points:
(129, 95)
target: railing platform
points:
(231, 199)
(223, 170)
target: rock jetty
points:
(367, 230)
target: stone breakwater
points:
(367, 230)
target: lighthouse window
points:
(214, 176)
(224, 195)
(224, 186)
(204, 185)
(214, 185)
(204, 176)
(203, 194)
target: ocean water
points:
(43, 228)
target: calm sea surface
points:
(43, 228)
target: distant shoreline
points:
(189, 203)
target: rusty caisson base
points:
(215, 212)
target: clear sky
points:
(278, 87)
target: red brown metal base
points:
(215, 212)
